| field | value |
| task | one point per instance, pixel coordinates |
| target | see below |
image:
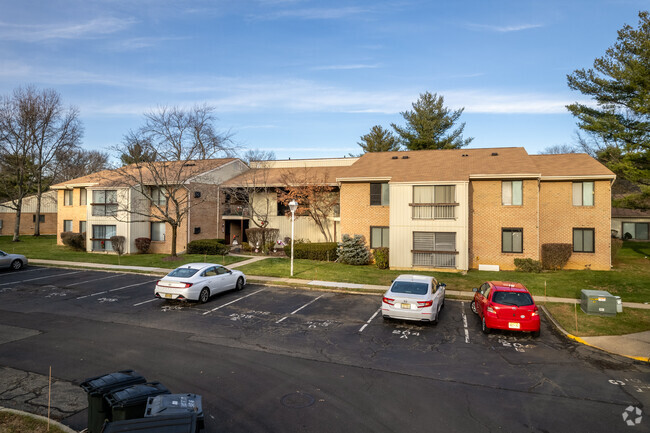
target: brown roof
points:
(176, 171)
(618, 212)
(276, 176)
(570, 164)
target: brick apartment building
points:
(28, 215)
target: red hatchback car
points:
(505, 305)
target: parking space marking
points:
(114, 290)
(232, 302)
(465, 323)
(40, 278)
(370, 320)
(145, 302)
(295, 311)
(22, 271)
(90, 281)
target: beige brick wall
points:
(559, 217)
(27, 223)
(487, 217)
(356, 213)
(76, 212)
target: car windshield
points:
(183, 272)
(519, 299)
(409, 287)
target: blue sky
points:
(304, 78)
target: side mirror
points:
(474, 289)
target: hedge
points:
(143, 245)
(213, 247)
(528, 265)
(323, 251)
(381, 257)
(556, 256)
(76, 241)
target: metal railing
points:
(235, 210)
(435, 260)
(434, 211)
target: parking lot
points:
(338, 329)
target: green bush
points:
(245, 246)
(262, 237)
(76, 241)
(212, 247)
(353, 250)
(143, 244)
(381, 257)
(323, 251)
(617, 244)
(556, 256)
(528, 265)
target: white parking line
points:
(307, 304)
(145, 302)
(465, 323)
(114, 290)
(369, 320)
(23, 271)
(40, 278)
(90, 281)
(232, 302)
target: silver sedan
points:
(13, 261)
(414, 297)
(198, 281)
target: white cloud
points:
(42, 32)
(344, 67)
(313, 13)
(503, 29)
(140, 43)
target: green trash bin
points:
(97, 388)
(176, 423)
(131, 402)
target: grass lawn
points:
(14, 423)
(45, 247)
(629, 279)
(629, 321)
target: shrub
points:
(262, 236)
(118, 243)
(528, 265)
(381, 257)
(143, 244)
(353, 250)
(76, 241)
(323, 251)
(211, 247)
(617, 244)
(556, 256)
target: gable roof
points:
(571, 165)
(124, 176)
(619, 212)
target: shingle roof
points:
(618, 212)
(275, 176)
(123, 176)
(570, 165)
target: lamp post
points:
(293, 205)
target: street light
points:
(293, 205)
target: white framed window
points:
(379, 237)
(512, 193)
(102, 234)
(67, 225)
(67, 197)
(82, 226)
(434, 202)
(104, 202)
(159, 196)
(583, 193)
(158, 231)
(83, 196)
(434, 249)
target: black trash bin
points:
(176, 423)
(97, 388)
(130, 403)
(166, 404)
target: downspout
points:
(539, 193)
(189, 218)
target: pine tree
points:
(353, 250)
(379, 140)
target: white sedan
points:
(198, 281)
(414, 297)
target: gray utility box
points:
(598, 302)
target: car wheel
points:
(240, 283)
(535, 334)
(204, 295)
(472, 305)
(484, 327)
(16, 265)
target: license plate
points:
(168, 295)
(406, 306)
(513, 325)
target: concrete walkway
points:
(635, 346)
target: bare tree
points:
(558, 149)
(78, 163)
(181, 139)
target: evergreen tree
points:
(619, 123)
(353, 250)
(429, 125)
(379, 140)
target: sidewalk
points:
(635, 346)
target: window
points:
(512, 193)
(67, 197)
(512, 240)
(378, 237)
(104, 203)
(434, 202)
(158, 232)
(159, 196)
(41, 218)
(82, 226)
(101, 240)
(379, 194)
(583, 193)
(67, 225)
(583, 240)
(436, 249)
(635, 231)
(83, 196)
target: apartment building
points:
(47, 217)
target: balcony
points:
(437, 259)
(235, 210)
(434, 211)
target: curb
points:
(581, 341)
(38, 417)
